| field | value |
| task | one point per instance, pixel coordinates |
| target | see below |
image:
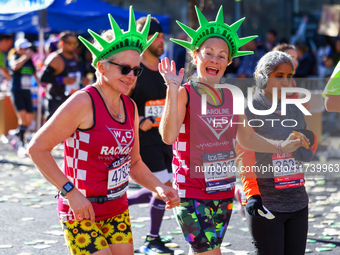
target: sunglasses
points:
(72, 43)
(125, 70)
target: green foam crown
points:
(215, 28)
(129, 40)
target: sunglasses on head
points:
(125, 70)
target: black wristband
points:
(48, 75)
(141, 122)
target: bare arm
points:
(18, 63)
(55, 61)
(141, 174)
(175, 103)
(332, 103)
(249, 140)
(74, 113)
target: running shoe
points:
(15, 142)
(155, 246)
(21, 152)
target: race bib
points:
(219, 171)
(154, 109)
(288, 172)
(71, 88)
(26, 82)
(118, 178)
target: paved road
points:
(29, 225)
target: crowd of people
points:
(123, 112)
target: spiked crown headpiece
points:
(215, 28)
(129, 40)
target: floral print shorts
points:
(84, 237)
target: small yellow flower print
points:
(122, 227)
(94, 234)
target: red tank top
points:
(204, 140)
(89, 153)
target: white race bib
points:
(288, 172)
(118, 178)
(219, 171)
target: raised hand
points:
(168, 72)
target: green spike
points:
(151, 40)
(100, 40)
(132, 21)
(185, 44)
(116, 29)
(190, 32)
(136, 41)
(219, 18)
(225, 32)
(146, 28)
(245, 40)
(236, 25)
(243, 53)
(201, 19)
(91, 48)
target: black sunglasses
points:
(125, 70)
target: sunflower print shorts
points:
(84, 237)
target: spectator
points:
(306, 61)
(249, 62)
(271, 40)
(180, 52)
(300, 34)
(336, 54)
(324, 59)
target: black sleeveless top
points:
(150, 86)
(71, 69)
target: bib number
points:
(288, 172)
(154, 109)
(71, 88)
(219, 171)
(26, 82)
(118, 178)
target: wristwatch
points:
(67, 188)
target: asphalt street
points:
(29, 224)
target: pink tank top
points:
(90, 153)
(206, 141)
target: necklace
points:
(119, 115)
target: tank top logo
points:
(123, 137)
(218, 124)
